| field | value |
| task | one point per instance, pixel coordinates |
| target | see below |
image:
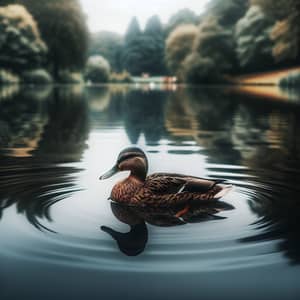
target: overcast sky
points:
(114, 15)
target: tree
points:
(227, 12)
(132, 53)
(179, 45)
(97, 69)
(252, 34)
(21, 46)
(153, 45)
(63, 28)
(110, 46)
(213, 54)
(286, 31)
(183, 16)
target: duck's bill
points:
(110, 173)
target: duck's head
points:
(131, 159)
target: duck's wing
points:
(172, 183)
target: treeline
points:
(45, 41)
(140, 51)
(41, 40)
(229, 38)
(236, 37)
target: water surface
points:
(62, 239)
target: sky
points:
(114, 15)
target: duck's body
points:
(166, 190)
(160, 189)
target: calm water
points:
(62, 239)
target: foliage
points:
(183, 16)
(179, 45)
(228, 12)
(286, 32)
(153, 47)
(38, 76)
(97, 70)
(8, 77)
(144, 51)
(252, 34)
(132, 56)
(292, 80)
(123, 77)
(109, 45)
(63, 28)
(213, 53)
(70, 77)
(20, 44)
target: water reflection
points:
(134, 242)
(44, 153)
(40, 131)
(34, 186)
(65, 134)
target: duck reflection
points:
(133, 243)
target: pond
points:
(62, 239)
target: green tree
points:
(63, 27)
(227, 12)
(153, 45)
(286, 31)
(179, 45)
(252, 34)
(132, 52)
(213, 54)
(110, 46)
(183, 16)
(21, 46)
(97, 69)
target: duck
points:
(164, 190)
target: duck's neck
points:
(138, 174)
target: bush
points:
(291, 81)
(20, 42)
(8, 77)
(97, 70)
(212, 56)
(252, 34)
(37, 76)
(123, 77)
(70, 77)
(179, 45)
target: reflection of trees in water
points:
(34, 186)
(21, 121)
(277, 165)
(260, 136)
(143, 113)
(206, 116)
(67, 129)
(8, 91)
(60, 122)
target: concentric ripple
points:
(55, 212)
(246, 232)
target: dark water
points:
(61, 238)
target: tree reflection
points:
(143, 113)
(276, 162)
(44, 128)
(65, 134)
(22, 120)
(205, 115)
